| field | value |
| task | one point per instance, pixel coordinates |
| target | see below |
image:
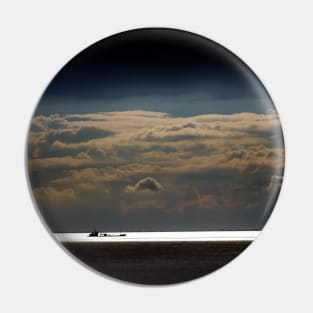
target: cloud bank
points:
(113, 163)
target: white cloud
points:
(146, 184)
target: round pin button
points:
(155, 156)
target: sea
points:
(161, 236)
(157, 258)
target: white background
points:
(274, 38)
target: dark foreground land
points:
(156, 262)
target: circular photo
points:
(155, 156)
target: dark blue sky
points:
(152, 69)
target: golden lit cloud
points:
(126, 158)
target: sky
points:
(155, 130)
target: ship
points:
(96, 233)
(112, 235)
